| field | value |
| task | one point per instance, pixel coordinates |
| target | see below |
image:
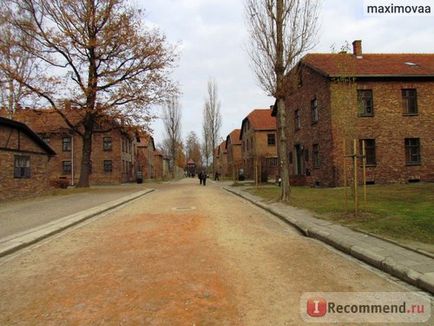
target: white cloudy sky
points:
(212, 38)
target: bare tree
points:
(192, 148)
(98, 55)
(12, 93)
(212, 121)
(172, 127)
(206, 143)
(281, 31)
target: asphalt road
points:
(20, 215)
(183, 255)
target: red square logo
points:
(316, 307)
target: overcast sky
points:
(212, 41)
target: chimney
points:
(357, 49)
(67, 104)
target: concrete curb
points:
(424, 281)
(24, 239)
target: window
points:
(297, 119)
(365, 103)
(107, 144)
(371, 158)
(409, 101)
(108, 166)
(315, 156)
(271, 162)
(66, 144)
(271, 139)
(314, 110)
(21, 167)
(66, 167)
(412, 151)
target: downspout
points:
(72, 159)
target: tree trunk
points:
(85, 168)
(282, 126)
(282, 123)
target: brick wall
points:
(339, 121)
(390, 127)
(11, 187)
(302, 140)
(234, 159)
(254, 149)
(118, 155)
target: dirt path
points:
(184, 255)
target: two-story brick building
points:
(258, 145)
(233, 150)
(24, 161)
(146, 156)
(114, 150)
(220, 155)
(385, 100)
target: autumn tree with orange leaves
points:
(97, 54)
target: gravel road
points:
(183, 255)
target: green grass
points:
(401, 212)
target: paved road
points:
(183, 255)
(21, 215)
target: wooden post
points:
(364, 169)
(256, 172)
(345, 176)
(356, 199)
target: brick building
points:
(145, 156)
(161, 165)
(233, 150)
(24, 160)
(220, 155)
(385, 100)
(114, 152)
(258, 145)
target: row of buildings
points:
(38, 150)
(251, 151)
(385, 101)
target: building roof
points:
(47, 120)
(222, 148)
(371, 65)
(259, 119)
(145, 140)
(29, 132)
(234, 136)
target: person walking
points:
(200, 175)
(204, 176)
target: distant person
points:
(217, 176)
(204, 176)
(200, 176)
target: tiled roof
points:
(259, 119)
(145, 140)
(369, 65)
(234, 137)
(46, 120)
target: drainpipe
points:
(72, 159)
